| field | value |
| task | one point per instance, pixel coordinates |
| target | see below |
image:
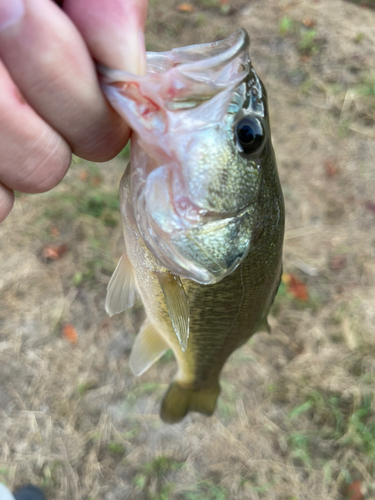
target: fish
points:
(202, 211)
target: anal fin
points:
(178, 401)
(121, 290)
(148, 347)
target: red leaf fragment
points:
(54, 232)
(354, 491)
(308, 22)
(70, 333)
(296, 287)
(96, 180)
(185, 7)
(331, 168)
(338, 262)
(54, 252)
(83, 175)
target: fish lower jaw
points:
(169, 256)
(178, 266)
(204, 251)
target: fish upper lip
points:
(236, 43)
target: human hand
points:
(51, 104)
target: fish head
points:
(201, 134)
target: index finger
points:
(113, 31)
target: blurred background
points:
(296, 417)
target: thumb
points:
(113, 31)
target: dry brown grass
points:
(296, 418)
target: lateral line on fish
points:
(217, 346)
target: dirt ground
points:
(296, 418)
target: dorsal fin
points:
(121, 290)
(177, 304)
(148, 347)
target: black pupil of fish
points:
(246, 134)
(250, 134)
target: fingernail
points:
(142, 68)
(11, 12)
(131, 46)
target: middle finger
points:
(49, 62)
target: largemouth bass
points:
(202, 210)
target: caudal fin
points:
(178, 401)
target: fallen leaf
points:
(308, 22)
(331, 168)
(354, 491)
(225, 7)
(337, 262)
(370, 205)
(54, 252)
(70, 333)
(83, 175)
(185, 7)
(54, 232)
(96, 180)
(296, 287)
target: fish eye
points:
(249, 134)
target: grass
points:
(152, 480)
(306, 38)
(156, 482)
(226, 403)
(206, 490)
(308, 43)
(85, 386)
(141, 390)
(299, 449)
(125, 153)
(296, 415)
(168, 357)
(96, 204)
(338, 423)
(357, 106)
(116, 448)
(207, 3)
(91, 211)
(286, 26)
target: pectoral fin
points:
(177, 305)
(148, 347)
(121, 290)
